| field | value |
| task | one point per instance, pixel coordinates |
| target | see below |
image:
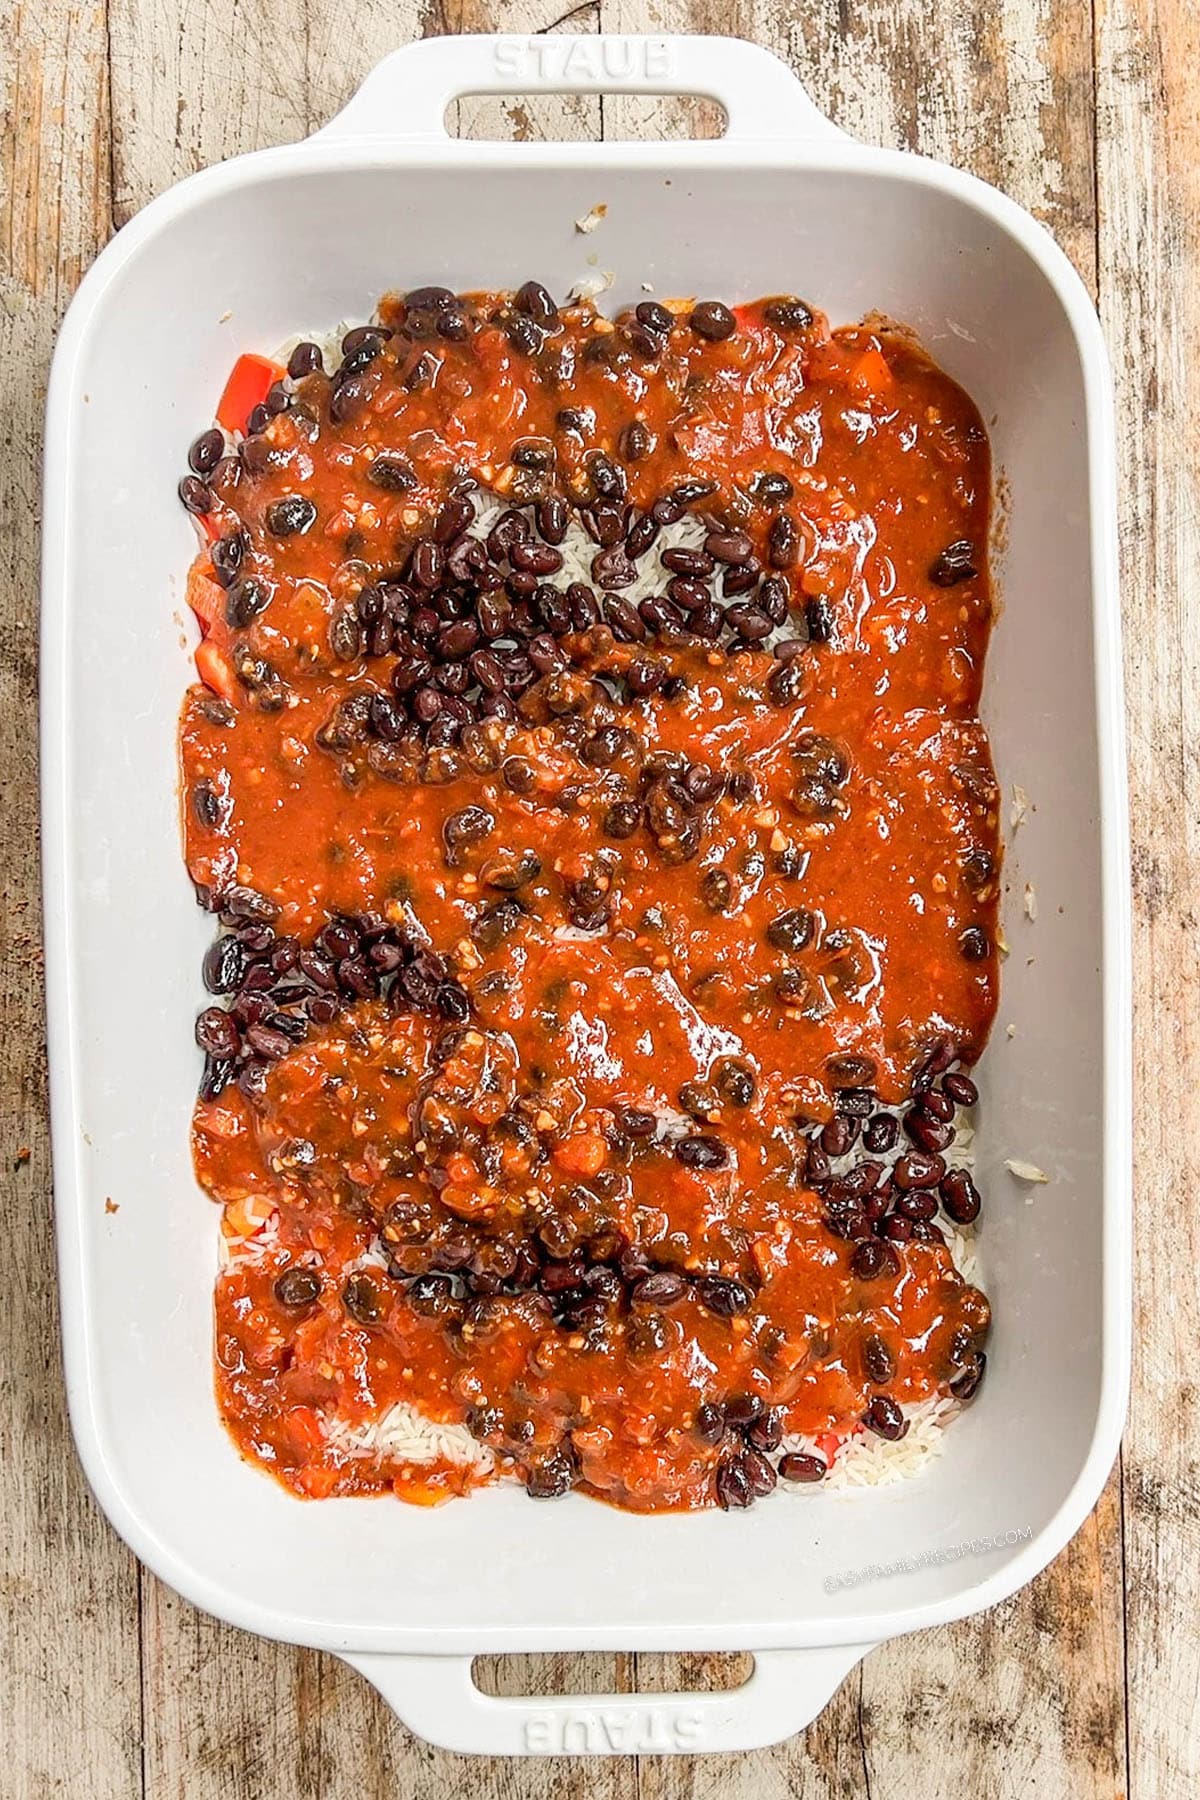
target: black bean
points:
(522, 333)
(880, 1133)
(640, 339)
(728, 546)
(878, 1360)
(964, 1387)
(741, 578)
(702, 1152)
(884, 1418)
(742, 1410)
(607, 477)
(224, 964)
(721, 1295)
(635, 442)
(226, 555)
(196, 495)
(783, 542)
(533, 453)
(622, 819)
(735, 1082)
(345, 635)
(790, 930)
(421, 372)
(788, 313)
(246, 905)
(244, 601)
(837, 1136)
(624, 619)
(293, 514)
(297, 1288)
(960, 1196)
(695, 563)
(916, 1169)
(553, 518)
(716, 890)
(655, 317)
(771, 487)
(663, 1288)
(873, 1259)
(426, 704)
(551, 1478)
(661, 614)
(785, 684)
(217, 1032)
(798, 1466)
(267, 1042)
(362, 1299)
(258, 420)
(818, 619)
(304, 360)
(733, 1485)
(956, 563)
(915, 1204)
(206, 451)
(766, 1432)
(936, 1105)
(210, 808)
(641, 536)
(536, 559)
(467, 826)
(772, 599)
(961, 1088)
(759, 1472)
(749, 621)
(710, 1423)
(536, 303)
(712, 320)
(931, 1135)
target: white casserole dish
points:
(240, 257)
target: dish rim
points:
(824, 156)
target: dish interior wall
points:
(244, 268)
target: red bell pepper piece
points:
(250, 381)
(215, 671)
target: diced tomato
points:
(206, 599)
(827, 1443)
(584, 1154)
(871, 374)
(249, 383)
(213, 668)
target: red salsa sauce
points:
(598, 930)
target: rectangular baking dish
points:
(241, 256)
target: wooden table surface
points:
(1083, 1685)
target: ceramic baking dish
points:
(240, 257)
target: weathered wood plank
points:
(69, 1698)
(1148, 155)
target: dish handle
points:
(436, 1697)
(405, 97)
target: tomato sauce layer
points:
(587, 775)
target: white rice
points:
(402, 1433)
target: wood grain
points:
(1090, 122)
(69, 1695)
(1148, 165)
